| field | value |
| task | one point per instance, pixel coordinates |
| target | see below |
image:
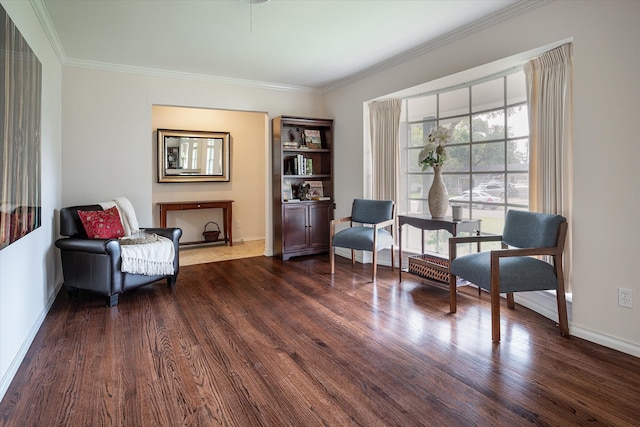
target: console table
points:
(225, 205)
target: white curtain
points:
(549, 97)
(384, 128)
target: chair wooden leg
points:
(332, 260)
(510, 302)
(353, 257)
(495, 299)
(563, 322)
(375, 264)
(393, 258)
(453, 303)
(495, 315)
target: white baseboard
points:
(542, 302)
(24, 348)
(605, 340)
(365, 257)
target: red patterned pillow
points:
(102, 224)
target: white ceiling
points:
(313, 44)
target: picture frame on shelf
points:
(315, 189)
(287, 193)
(312, 138)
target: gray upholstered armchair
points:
(366, 232)
(514, 268)
(94, 264)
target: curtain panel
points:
(384, 127)
(549, 80)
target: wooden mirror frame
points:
(170, 167)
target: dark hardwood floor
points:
(262, 342)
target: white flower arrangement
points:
(434, 152)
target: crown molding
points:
(155, 72)
(517, 9)
(45, 21)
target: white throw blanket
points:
(154, 258)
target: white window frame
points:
(438, 243)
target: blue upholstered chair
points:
(366, 232)
(514, 268)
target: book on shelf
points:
(321, 198)
(298, 165)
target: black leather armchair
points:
(94, 264)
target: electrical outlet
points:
(625, 297)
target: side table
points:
(424, 222)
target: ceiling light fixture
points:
(251, 3)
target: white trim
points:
(48, 28)
(5, 382)
(543, 303)
(517, 9)
(604, 340)
(365, 257)
(118, 68)
(45, 20)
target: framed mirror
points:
(193, 156)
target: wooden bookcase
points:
(302, 152)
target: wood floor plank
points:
(262, 342)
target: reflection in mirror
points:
(192, 156)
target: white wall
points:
(607, 177)
(109, 148)
(105, 122)
(29, 268)
(249, 135)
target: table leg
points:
(163, 217)
(230, 225)
(228, 221)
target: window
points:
(486, 170)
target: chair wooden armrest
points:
(339, 220)
(455, 241)
(384, 223)
(518, 252)
(334, 222)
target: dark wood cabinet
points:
(305, 228)
(302, 154)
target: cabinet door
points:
(319, 224)
(294, 227)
